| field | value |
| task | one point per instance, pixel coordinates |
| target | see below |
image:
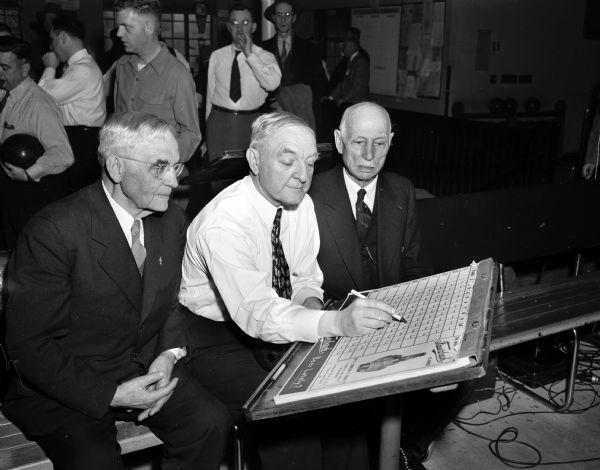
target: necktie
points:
(4, 100)
(284, 51)
(281, 271)
(363, 215)
(235, 87)
(138, 250)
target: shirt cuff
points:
(307, 292)
(179, 353)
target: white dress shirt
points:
(227, 265)
(79, 92)
(259, 74)
(352, 187)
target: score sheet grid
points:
(436, 309)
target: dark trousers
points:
(84, 143)
(19, 201)
(222, 359)
(192, 424)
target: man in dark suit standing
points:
(385, 249)
(93, 331)
(300, 63)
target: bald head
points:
(364, 139)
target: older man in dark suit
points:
(93, 331)
(370, 238)
(367, 222)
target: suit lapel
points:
(389, 215)
(111, 248)
(153, 264)
(341, 221)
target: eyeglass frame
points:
(285, 14)
(160, 168)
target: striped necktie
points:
(363, 215)
(138, 250)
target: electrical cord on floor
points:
(587, 380)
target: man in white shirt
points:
(93, 326)
(80, 95)
(240, 77)
(241, 293)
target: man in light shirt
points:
(27, 109)
(231, 107)
(79, 94)
(250, 278)
(93, 326)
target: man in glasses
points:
(93, 331)
(240, 76)
(303, 75)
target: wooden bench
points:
(514, 225)
(17, 452)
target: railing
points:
(447, 155)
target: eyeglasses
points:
(159, 169)
(238, 23)
(286, 14)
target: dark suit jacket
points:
(302, 65)
(80, 320)
(354, 87)
(398, 245)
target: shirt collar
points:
(21, 88)
(353, 187)
(264, 208)
(159, 63)
(125, 218)
(81, 53)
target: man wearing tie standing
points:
(93, 331)
(240, 76)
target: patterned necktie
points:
(284, 51)
(4, 100)
(281, 271)
(235, 87)
(363, 215)
(138, 250)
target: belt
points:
(235, 111)
(84, 128)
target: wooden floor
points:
(558, 437)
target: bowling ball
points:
(510, 105)
(532, 104)
(21, 150)
(497, 106)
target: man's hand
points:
(164, 363)
(588, 170)
(362, 317)
(15, 173)
(50, 60)
(141, 393)
(244, 42)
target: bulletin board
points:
(407, 44)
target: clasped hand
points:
(148, 392)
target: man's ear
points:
(26, 68)
(339, 144)
(253, 158)
(150, 26)
(253, 28)
(114, 168)
(62, 38)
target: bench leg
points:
(238, 449)
(569, 386)
(391, 427)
